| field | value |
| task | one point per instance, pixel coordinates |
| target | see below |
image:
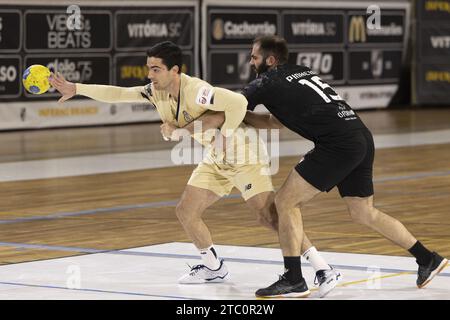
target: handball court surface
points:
(97, 205)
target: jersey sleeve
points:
(219, 99)
(113, 94)
(252, 92)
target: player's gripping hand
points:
(219, 143)
(66, 88)
(170, 132)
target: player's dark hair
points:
(273, 46)
(168, 52)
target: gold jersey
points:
(195, 98)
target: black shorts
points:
(345, 162)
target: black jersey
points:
(302, 102)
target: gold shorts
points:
(250, 180)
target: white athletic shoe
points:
(202, 274)
(327, 280)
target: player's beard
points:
(263, 67)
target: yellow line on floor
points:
(345, 284)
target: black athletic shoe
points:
(427, 273)
(284, 288)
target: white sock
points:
(209, 257)
(316, 260)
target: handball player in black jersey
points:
(300, 100)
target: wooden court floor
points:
(411, 183)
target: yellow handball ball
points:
(35, 79)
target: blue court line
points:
(184, 256)
(94, 211)
(159, 204)
(173, 203)
(413, 177)
(50, 247)
(96, 290)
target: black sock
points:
(422, 254)
(293, 269)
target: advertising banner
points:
(334, 38)
(431, 78)
(90, 43)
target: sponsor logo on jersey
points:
(205, 96)
(346, 113)
(187, 117)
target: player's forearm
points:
(210, 120)
(110, 94)
(234, 105)
(233, 118)
(259, 120)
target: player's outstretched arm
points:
(262, 120)
(104, 93)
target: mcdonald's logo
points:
(357, 30)
(218, 29)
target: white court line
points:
(109, 163)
